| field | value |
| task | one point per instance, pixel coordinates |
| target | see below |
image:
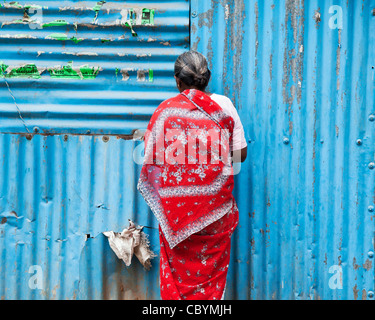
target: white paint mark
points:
(227, 12)
(17, 36)
(78, 54)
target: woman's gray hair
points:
(192, 69)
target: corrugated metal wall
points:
(77, 77)
(304, 91)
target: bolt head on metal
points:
(371, 118)
(194, 14)
(370, 294)
(359, 142)
(286, 141)
(105, 138)
(372, 165)
(36, 129)
(371, 209)
(371, 254)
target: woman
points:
(187, 180)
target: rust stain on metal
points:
(355, 292)
(205, 19)
(355, 265)
(338, 60)
(256, 30)
(364, 294)
(367, 265)
(293, 56)
(317, 17)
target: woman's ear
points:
(178, 83)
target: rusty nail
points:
(36, 129)
(373, 12)
(29, 136)
(66, 137)
(359, 142)
(105, 138)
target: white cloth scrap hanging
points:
(131, 241)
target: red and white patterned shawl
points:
(187, 175)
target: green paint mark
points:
(70, 72)
(134, 34)
(31, 6)
(55, 23)
(105, 40)
(151, 75)
(98, 6)
(25, 71)
(89, 72)
(3, 68)
(97, 9)
(15, 4)
(147, 17)
(63, 37)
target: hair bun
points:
(200, 81)
(192, 68)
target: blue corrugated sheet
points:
(122, 96)
(62, 183)
(303, 89)
(305, 92)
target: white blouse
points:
(239, 140)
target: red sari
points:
(187, 180)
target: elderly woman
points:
(187, 180)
